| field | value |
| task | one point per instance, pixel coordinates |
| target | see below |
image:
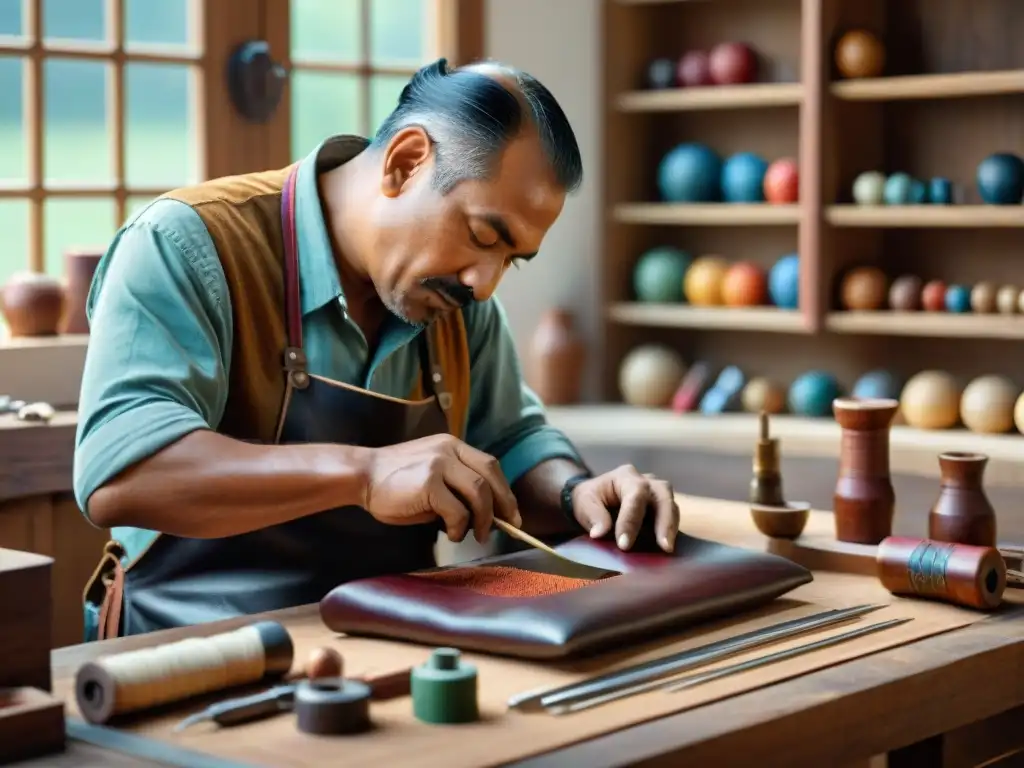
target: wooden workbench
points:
(953, 699)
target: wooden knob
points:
(323, 662)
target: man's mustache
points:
(450, 287)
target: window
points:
(105, 104)
(98, 114)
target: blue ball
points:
(1000, 179)
(940, 191)
(690, 173)
(878, 384)
(918, 192)
(784, 282)
(958, 298)
(743, 178)
(658, 275)
(812, 394)
(898, 189)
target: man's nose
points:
(483, 277)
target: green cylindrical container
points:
(444, 689)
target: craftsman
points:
(297, 378)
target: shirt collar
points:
(318, 272)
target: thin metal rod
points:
(526, 538)
(690, 681)
(687, 659)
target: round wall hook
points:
(255, 81)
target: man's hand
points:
(633, 493)
(439, 476)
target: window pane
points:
(384, 93)
(76, 224)
(325, 30)
(398, 30)
(75, 20)
(323, 105)
(162, 23)
(14, 157)
(76, 135)
(12, 20)
(14, 224)
(160, 129)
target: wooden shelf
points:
(707, 214)
(712, 97)
(765, 319)
(936, 325)
(909, 216)
(912, 451)
(945, 86)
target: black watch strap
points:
(566, 498)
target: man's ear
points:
(408, 153)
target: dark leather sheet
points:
(652, 592)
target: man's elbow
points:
(104, 507)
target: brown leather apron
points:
(179, 581)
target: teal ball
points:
(878, 384)
(958, 298)
(690, 173)
(918, 192)
(898, 189)
(1000, 179)
(658, 276)
(812, 394)
(784, 282)
(743, 178)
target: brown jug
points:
(32, 304)
(962, 514)
(556, 358)
(864, 500)
(79, 268)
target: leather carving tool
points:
(526, 538)
(690, 681)
(692, 658)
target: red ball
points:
(694, 69)
(745, 285)
(732, 64)
(933, 296)
(782, 181)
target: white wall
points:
(559, 42)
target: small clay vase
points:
(962, 514)
(79, 268)
(32, 304)
(556, 359)
(864, 500)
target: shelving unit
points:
(953, 93)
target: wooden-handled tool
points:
(526, 538)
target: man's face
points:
(433, 253)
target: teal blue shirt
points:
(161, 343)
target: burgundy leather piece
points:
(655, 592)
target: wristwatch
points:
(566, 499)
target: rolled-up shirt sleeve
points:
(506, 418)
(160, 345)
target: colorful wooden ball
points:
(702, 285)
(987, 404)
(812, 393)
(661, 73)
(933, 296)
(745, 285)
(905, 293)
(650, 374)
(859, 53)
(1006, 299)
(784, 282)
(879, 384)
(782, 181)
(931, 400)
(732, 64)
(958, 299)
(763, 394)
(658, 275)
(324, 662)
(899, 189)
(694, 69)
(869, 188)
(1018, 414)
(864, 288)
(983, 298)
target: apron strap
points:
(294, 357)
(105, 590)
(433, 373)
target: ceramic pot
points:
(864, 500)
(79, 268)
(32, 304)
(556, 358)
(962, 514)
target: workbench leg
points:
(923, 754)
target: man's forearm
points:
(539, 493)
(207, 485)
